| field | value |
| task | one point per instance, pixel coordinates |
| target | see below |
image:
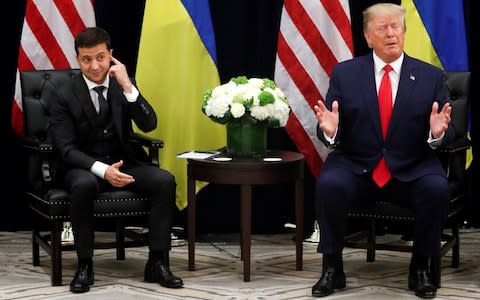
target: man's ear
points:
(367, 38)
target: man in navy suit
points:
(91, 120)
(401, 148)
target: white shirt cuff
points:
(132, 97)
(331, 140)
(434, 143)
(98, 168)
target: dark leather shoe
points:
(82, 280)
(421, 282)
(160, 273)
(329, 281)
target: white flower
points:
(238, 110)
(253, 100)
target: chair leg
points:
(35, 246)
(371, 241)
(56, 252)
(456, 246)
(120, 240)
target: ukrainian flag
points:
(436, 33)
(176, 64)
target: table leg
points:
(191, 224)
(245, 220)
(299, 214)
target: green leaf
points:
(206, 96)
(273, 122)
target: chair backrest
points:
(458, 84)
(37, 87)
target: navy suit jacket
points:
(74, 118)
(359, 144)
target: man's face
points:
(95, 62)
(386, 34)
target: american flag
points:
(314, 36)
(47, 40)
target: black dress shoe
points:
(329, 281)
(82, 280)
(421, 282)
(160, 273)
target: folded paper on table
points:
(198, 154)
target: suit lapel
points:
(370, 96)
(115, 97)
(82, 94)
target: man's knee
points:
(85, 183)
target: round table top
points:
(277, 166)
(271, 156)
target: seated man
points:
(91, 122)
(380, 150)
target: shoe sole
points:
(338, 286)
(148, 280)
(79, 291)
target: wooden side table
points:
(278, 167)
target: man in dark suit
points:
(380, 150)
(91, 122)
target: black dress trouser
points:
(151, 181)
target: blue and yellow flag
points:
(176, 64)
(436, 33)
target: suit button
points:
(364, 171)
(105, 131)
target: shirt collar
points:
(379, 63)
(91, 84)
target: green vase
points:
(246, 139)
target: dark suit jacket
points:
(359, 144)
(73, 118)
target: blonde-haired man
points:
(384, 114)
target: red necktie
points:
(381, 175)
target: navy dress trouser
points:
(338, 189)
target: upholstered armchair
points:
(453, 157)
(46, 196)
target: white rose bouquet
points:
(258, 101)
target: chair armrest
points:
(460, 144)
(37, 146)
(152, 145)
(40, 164)
(146, 141)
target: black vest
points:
(106, 146)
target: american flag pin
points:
(412, 77)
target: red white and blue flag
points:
(47, 40)
(313, 37)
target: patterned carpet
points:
(218, 272)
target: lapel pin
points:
(412, 77)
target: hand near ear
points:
(119, 71)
